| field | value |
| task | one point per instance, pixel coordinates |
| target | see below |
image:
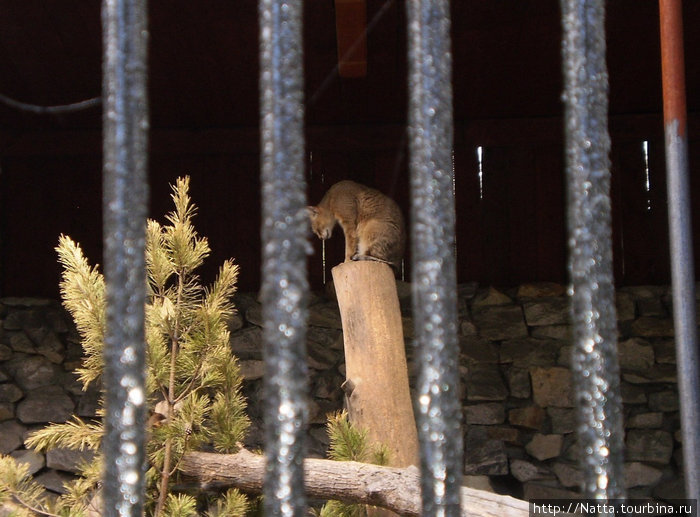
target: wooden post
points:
(376, 385)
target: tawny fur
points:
(372, 222)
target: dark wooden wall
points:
(515, 231)
(203, 92)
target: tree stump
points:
(376, 387)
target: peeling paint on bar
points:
(285, 246)
(125, 192)
(595, 365)
(434, 270)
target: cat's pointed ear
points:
(312, 211)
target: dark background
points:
(204, 117)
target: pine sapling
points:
(193, 380)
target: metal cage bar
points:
(595, 367)
(125, 191)
(285, 245)
(284, 233)
(434, 270)
(681, 240)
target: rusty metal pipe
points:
(673, 63)
(681, 242)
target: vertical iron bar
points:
(681, 240)
(595, 365)
(434, 270)
(285, 245)
(125, 191)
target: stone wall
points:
(516, 390)
(518, 400)
(39, 349)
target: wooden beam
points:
(351, 32)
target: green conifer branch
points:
(232, 504)
(347, 442)
(18, 487)
(180, 505)
(83, 294)
(74, 434)
(80, 491)
(193, 380)
(350, 443)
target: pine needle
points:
(83, 294)
(232, 504)
(347, 442)
(180, 505)
(18, 487)
(350, 443)
(74, 434)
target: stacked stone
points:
(326, 363)
(39, 350)
(519, 406)
(519, 419)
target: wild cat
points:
(371, 221)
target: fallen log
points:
(396, 489)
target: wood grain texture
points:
(396, 489)
(379, 398)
